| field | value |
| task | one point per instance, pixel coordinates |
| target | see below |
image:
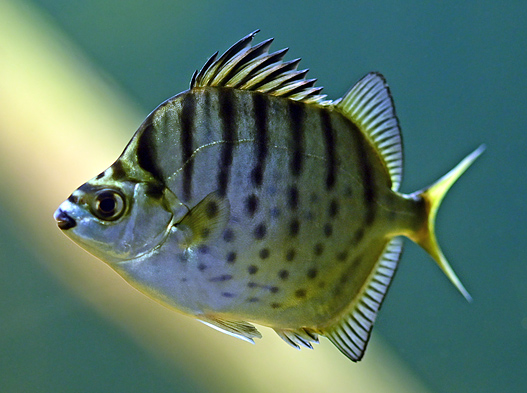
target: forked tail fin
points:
(433, 196)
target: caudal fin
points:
(433, 196)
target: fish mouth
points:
(64, 221)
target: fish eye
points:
(108, 205)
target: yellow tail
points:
(433, 196)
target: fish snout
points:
(64, 221)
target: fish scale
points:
(252, 198)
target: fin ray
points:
(206, 220)
(369, 105)
(254, 68)
(433, 196)
(239, 329)
(352, 333)
(297, 338)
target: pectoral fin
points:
(240, 329)
(206, 220)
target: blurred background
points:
(77, 78)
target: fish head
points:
(119, 220)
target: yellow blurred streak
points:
(61, 123)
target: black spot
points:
(228, 235)
(293, 198)
(202, 267)
(251, 204)
(275, 212)
(252, 284)
(318, 249)
(253, 300)
(260, 231)
(356, 262)
(274, 289)
(211, 210)
(357, 237)
(205, 233)
(223, 277)
(344, 278)
(333, 208)
(328, 230)
(264, 253)
(203, 248)
(290, 255)
(300, 293)
(231, 257)
(294, 227)
(313, 198)
(182, 257)
(252, 269)
(276, 305)
(348, 191)
(228, 294)
(342, 256)
(283, 274)
(312, 273)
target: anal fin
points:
(239, 329)
(297, 338)
(352, 332)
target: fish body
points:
(252, 198)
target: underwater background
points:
(76, 80)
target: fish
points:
(251, 198)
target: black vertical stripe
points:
(367, 175)
(188, 114)
(260, 104)
(296, 118)
(329, 139)
(147, 152)
(228, 121)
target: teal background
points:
(457, 71)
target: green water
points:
(458, 76)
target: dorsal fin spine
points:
(254, 68)
(229, 54)
(249, 55)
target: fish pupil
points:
(107, 205)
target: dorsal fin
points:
(370, 106)
(351, 334)
(253, 68)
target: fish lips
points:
(64, 221)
